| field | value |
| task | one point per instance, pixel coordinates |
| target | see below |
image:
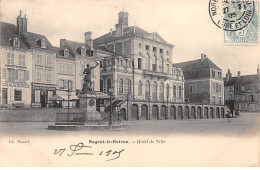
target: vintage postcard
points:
(129, 83)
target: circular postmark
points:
(231, 15)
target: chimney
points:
(122, 23)
(62, 43)
(111, 33)
(258, 70)
(228, 75)
(88, 39)
(203, 56)
(24, 24)
(238, 74)
(19, 22)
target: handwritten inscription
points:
(81, 149)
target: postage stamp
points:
(238, 19)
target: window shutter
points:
(26, 75)
(15, 74)
(4, 73)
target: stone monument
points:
(87, 98)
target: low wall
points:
(29, 115)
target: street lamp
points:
(110, 115)
(69, 94)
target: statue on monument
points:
(87, 85)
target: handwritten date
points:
(81, 149)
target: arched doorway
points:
(163, 112)
(134, 112)
(144, 112)
(222, 112)
(180, 113)
(186, 112)
(199, 113)
(154, 112)
(193, 114)
(206, 112)
(173, 112)
(211, 112)
(123, 115)
(218, 112)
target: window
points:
(12, 75)
(191, 89)
(37, 96)
(83, 51)
(10, 58)
(43, 43)
(49, 77)
(168, 90)
(167, 53)
(154, 90)
(21, 60)
(214, 99)
(214, 87)
(180, 92)
(147, 47)
(91, 53)
(21, 75)
(237, 88)
(161, 51)
(230, 97)
(219, 75)
(139, 63)
(154, 67)
(154, 49)
(139, 45)
(4, 73)
(120, 85)
(101, 85)
(129, 86)
(109, 84)
(70, 84)
(251, 97)
(49, 62)
(70, 71)
(147, 90)
(16, 42)
(66, 53)
(101, 64)
(168, 68)
(212, 73)
(161, 91)
(140, 88)
(39, 59)
(61, 84)
(174, 91)
(17, 95)
(62, 71)
(38, 76)
(220, 100)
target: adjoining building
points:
(15, 66)
(242, 93)
(141, 74)
(203, 81)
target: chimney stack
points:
(88, 39)
(21, 23)
(258, 70)
(228, 75)
(62, 43)
(203, 56)
(238, 74)
(111, 33)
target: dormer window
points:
(91, 53)
(66, 53)
(43, 43)
(16, 42)
(83, 51)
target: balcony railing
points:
(155, 74)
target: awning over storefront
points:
(56, 98)
(101, 95)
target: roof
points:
(248, 80)
(103, 49)
(197, 68)
(56, 98)
(7, 32)
(59, 53)
(230, 82)
(127, 32)
(32, 40)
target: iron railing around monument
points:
(70, 116)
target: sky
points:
(184, 23)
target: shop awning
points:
(101, 95)
(56, 98)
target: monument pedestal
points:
(87, 103)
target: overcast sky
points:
(185, 24)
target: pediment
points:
(156, 37)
